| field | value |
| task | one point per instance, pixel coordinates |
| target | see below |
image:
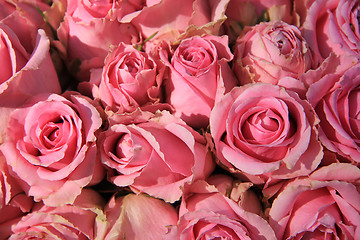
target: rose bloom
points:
(199, 76)
(335, 98)
(205, 213)
(51, 147)
(75, 221)
(156, 155)
(325, 205)
(129, 79)
(261, 130)
(87, 34)
(270, 51)
(137, 217)
(332, 26)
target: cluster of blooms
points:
(169, 119)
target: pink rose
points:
(87, 35)
(13, 201)
(51, 147)
(206, 213)
(129, 79)
(325, 205)
(71, 222)
(261, 130)
(156, 155)
(333, 26)
(335, 98)
(270, 51)
(199, 76)
(136, 217)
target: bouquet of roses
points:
(177, 120)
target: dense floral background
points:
(178, 120)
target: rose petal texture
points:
(13, 201)
(23, 74)
(199, 76)
(264, 130)
(24, 18)
(206, 213)
(321, 206)
(335, 98)
(173, 20)
(129, 79)
(51, 147)
(239, 192)
(137, 217)
(270, 51)
(156, 156)
(332, 26)
(75, 221)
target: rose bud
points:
(129, 79)
(199, 76)
(270, 51)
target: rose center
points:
(51, 134)
(124, 147)
(218, 232)
(132, 65)
(193, 56)
(283, 40)
(130, 150)
(261, 125)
